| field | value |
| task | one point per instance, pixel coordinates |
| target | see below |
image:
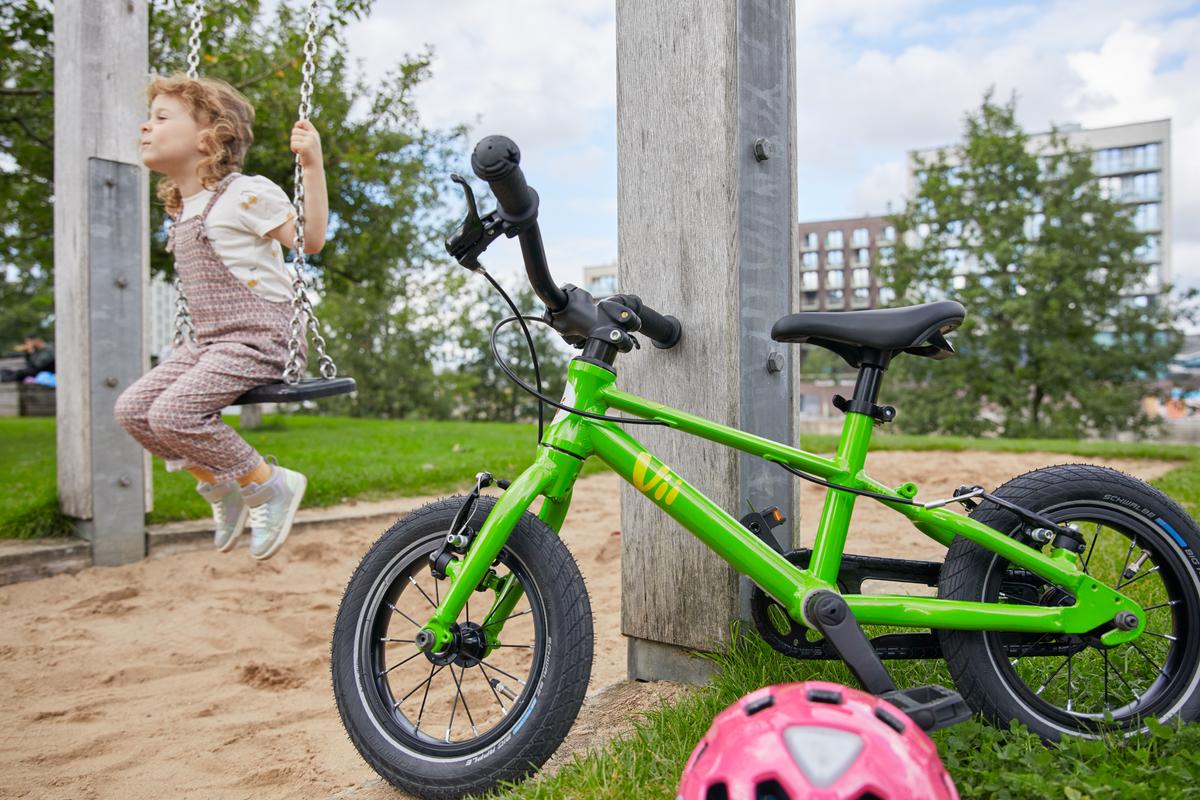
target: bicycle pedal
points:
(930, 707)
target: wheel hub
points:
(467, 647)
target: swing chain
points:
(193, 59)
(184, 330)
(301, 305)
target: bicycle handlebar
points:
(497, 160)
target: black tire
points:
(372, 616)
(1110, 690)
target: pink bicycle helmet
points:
(818, 741)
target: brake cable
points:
(516, 379)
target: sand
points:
(202, 675)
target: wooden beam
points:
(101, 223)
(706, 232)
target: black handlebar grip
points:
(664, 330)
(497, 160)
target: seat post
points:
(866, 388)
(870, 376)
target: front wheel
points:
(459, 721)
(1138, 541)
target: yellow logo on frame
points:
(646, 477)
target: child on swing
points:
(227, 234)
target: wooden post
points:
(101, 266)
(707, 217)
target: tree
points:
(481, 389)
(385, 172)
(1056, 341)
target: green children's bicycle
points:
(1068, 601)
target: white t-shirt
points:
(237, 227)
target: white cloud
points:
(862, 105)
(541, 73)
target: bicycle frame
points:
(571, 439)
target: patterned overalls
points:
(241, 342)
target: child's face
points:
(170, 138)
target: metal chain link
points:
(184, 330)
(193, 60)
(302, 309)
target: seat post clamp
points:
(875, 412)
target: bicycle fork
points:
(552, 474)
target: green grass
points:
(350, 458)
(345, 458)
(984, 762)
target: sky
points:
(875, 79)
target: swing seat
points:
(307, 389)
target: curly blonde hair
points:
(225, 118)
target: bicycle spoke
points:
(1136, 697)
(422, 591)
(401, 613)
(436, 597)
(458, 686)
(1125, 566)
(506, 619)
(399, 663)
(1138, 577)
(433, 670)
(1161, 635)
(492, 686)
(424, 698)
(1163, 605)
(1105, 654)
(1070, 702)
(502, 672)
(401, 641)
(1091, 549)
(525, 646)
(1149, 660)
(1027, 648)
(453, 708)
(1065, 663)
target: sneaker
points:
(273, 506)
(229, 512)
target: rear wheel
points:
(1138, 541)
(457, 722)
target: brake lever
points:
(473, 234)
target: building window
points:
(860, 237)
(862, 297)
(808, 280)
(887, 255)
(809, 300)
(834, 240)
(835, 258)
(886, 295)
(835, 279)
(1149, 250)
(862, 256)
(889, 234)
(809, 260)
(835, 299)
(1145, 218)
(603, 285)
(810, 241)
(861, 277)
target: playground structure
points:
(739, 135)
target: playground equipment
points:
(293, 386)
(1095, 635)
(814, 741)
